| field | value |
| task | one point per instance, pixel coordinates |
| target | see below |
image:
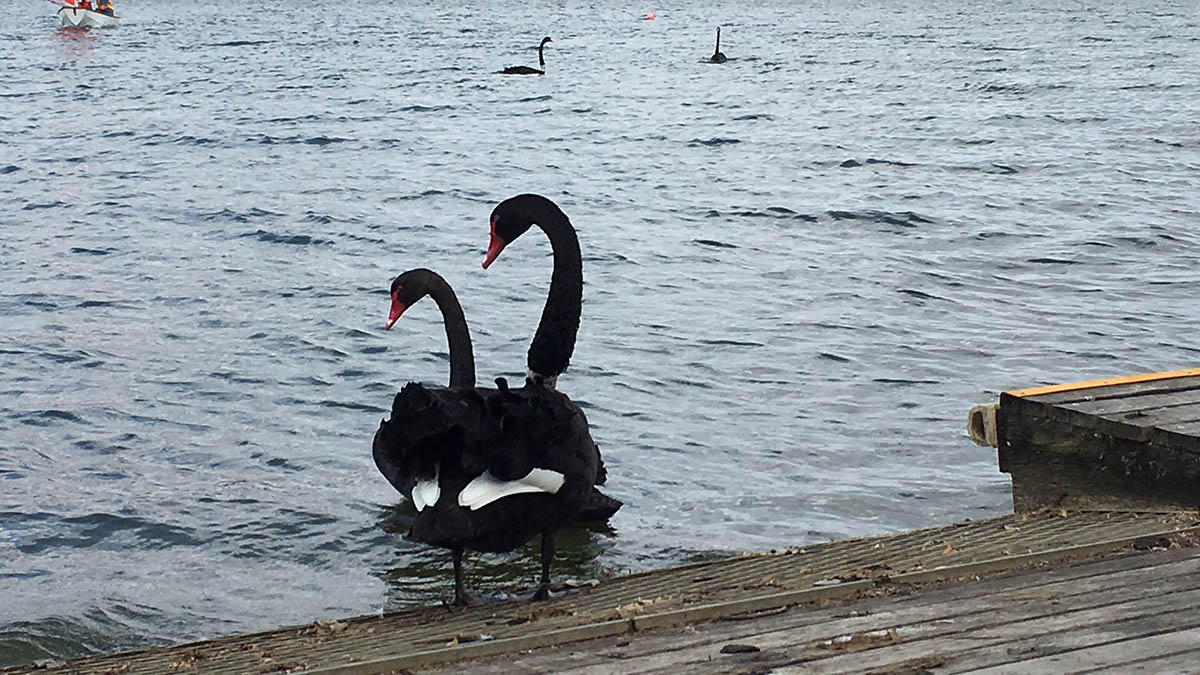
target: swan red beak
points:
(495, 246)
(493, 252)
(397, 309)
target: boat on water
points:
(76, 17)
(71, 16)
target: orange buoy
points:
(650, 16)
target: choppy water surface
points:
(803, 266)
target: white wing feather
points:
(486, 489)
(426, 492)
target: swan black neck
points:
(554, 342)
(717, 56)
(458, 334)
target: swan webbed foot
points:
(542, 594)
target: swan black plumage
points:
(717, 56)
(554, 342)
(526, 70)
(486, 469)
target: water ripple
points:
(802, 266)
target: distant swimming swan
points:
(717, 56)
(526, 70)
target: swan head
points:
(510, 219)
(544, 41)
(406, 290)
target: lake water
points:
(803, 267)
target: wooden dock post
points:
(1116, 444)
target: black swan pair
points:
(526, 70)
(487, 469)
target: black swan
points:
(526, 70)
(717, 56)
(554, 342)
(486, 469)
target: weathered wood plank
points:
(1116, 654)
(1069, 640)
(942, 640)
(1158, 417)
(943, 649)
(945, 610)
(1128, 404)
(996, 593)
(1183, 662)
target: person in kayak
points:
(105, 7)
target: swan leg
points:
(543, 591)
(460, 596)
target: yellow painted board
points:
(1105, 382)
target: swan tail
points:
(426, 493)
(486, 488)
(599, 507)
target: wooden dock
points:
(735, 600)
(1119, 443)
(1129, 613)
(1113, 587)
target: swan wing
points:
(486, 488)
